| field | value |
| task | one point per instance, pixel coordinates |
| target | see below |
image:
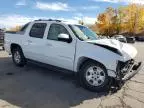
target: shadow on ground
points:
(37, 87)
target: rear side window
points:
(38, 30)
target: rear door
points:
(34, 44)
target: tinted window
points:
(55, 30)
(38, 30)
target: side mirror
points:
(64, 38)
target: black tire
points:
(22, 60)
(82, 77)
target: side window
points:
(55, 30)
(38, 30)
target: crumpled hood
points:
(128, 51)
(108, 42)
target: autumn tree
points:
(15, 29)
(140, 20)
(107, 22)
(125, 19)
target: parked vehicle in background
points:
(2, 38)
(64, 46)
(130, 39)
(104, 37)
(121, 38)
(139, 38)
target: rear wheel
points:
(18, 57)
(93, 76)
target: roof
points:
(66, 22)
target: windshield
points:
(83, 33)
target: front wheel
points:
(93, 76)
(18, 57)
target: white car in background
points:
(121, 38)
(65, 46)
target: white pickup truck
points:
(75, 48)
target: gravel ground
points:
(37, 87)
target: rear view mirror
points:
(64, 38)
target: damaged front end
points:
(126, 70)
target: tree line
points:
(127, 20)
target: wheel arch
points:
(82, 60)
(14, 45)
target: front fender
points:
(104, 56)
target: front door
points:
(59, 53)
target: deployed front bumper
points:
(127, 70)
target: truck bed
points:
(12, 37)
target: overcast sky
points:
(19, 12)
